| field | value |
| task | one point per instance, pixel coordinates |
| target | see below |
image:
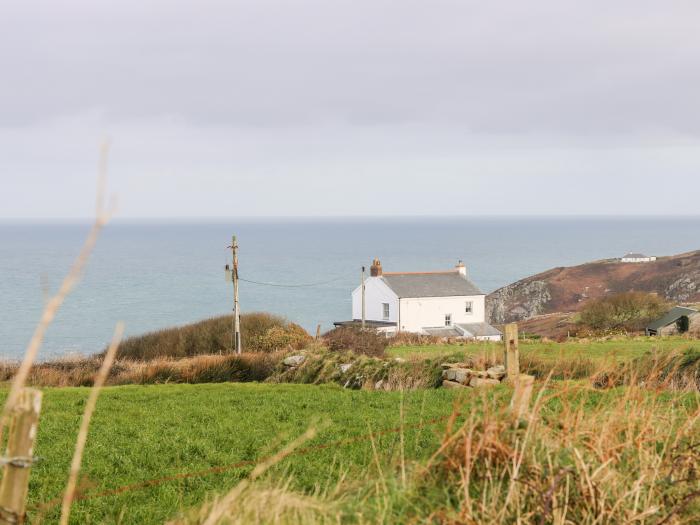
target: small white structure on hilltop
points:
(637, 258)
(443, 304)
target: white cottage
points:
(445, 304)
(637, 258)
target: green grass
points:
(144, 432)
(617, 349)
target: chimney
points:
(461, 268)
(376, 269)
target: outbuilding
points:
(678, 321)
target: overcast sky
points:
(357, 107)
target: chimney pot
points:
(376, 269)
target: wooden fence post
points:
(520, 403)
(19, 456)
(512, 356)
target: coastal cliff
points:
(566, 289)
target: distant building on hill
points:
(443, 304)
(678, 321)
(637, 258)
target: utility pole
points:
(236, 329)
(362, 284)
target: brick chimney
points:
(461, 268)
(376, 269)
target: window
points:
(448, 319)
(469, 307)
(385, 310)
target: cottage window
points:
(448, 319)
(469, 307)
(385, 310)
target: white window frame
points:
(385, 311)
(448, 319)
(469, 307)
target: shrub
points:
(630, 311)
(364, 342)
(260, 332)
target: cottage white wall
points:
(428, 312)
(376, 293)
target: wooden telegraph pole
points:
(362, 285)
(236, 345)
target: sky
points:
(350, 107)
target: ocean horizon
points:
(157, 273)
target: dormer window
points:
(469, 308)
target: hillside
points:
(566, 289)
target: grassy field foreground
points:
(144, 432)
(582, 450)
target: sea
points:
(156, 274)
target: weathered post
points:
(318, 332)
(512, 354)
(19, 456)
(520, 403)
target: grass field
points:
(616, 349)
(144, 432)
(155, 431)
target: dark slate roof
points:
(635, 256)
(430, 284)
(671, 317)
(445, 331)
(479, 329)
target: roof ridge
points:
(422, 273)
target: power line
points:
(291, 285)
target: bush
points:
(260, 332)
(364, 342)
(629, 311)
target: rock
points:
(449, 374)
(462, 375)
(294, 360)
(453, 384)
(379, 385)
(480, 373)
(496, 372)
(345, 367)
(399, 360)
(480, 381)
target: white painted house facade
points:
(637, 258)
(445, 304)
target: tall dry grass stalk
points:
(85, 424)
(54, 303)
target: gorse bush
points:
(629, 311)
(364, 342)
(260, 332)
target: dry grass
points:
(635, 460)
(199, 369)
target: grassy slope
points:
(143, 432)
(617, 349)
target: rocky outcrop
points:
(520, 300)
(676, 278)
